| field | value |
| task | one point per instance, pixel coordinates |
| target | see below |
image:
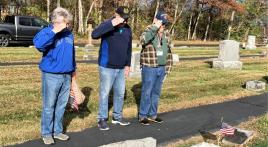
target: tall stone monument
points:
(228, 56)
(89, 47)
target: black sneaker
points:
(102, 124)
(144, 121)
(120, 122)
(156, 120)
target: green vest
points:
(161, 47)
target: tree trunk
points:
(157, 7)
(189, 27)
(246, 35)
(48, 10)
(80, 18)
(133, 16)
(58, 3)
(175, 17)
(100, 11)
(89, 11)
(207, 28)
(137, 17)
(75, 24)
(230, 25)
(196, 24)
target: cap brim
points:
(125, 16)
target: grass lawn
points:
(26, 54)
(192, 83)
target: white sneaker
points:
(120, 122)
(61, 137)
(48, 140)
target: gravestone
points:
(205, 144)
(89, 47)
(264, 54)
(175, 58)
(146, 142)
(240, 138)
(135, 70)
(228, 56)
(251, 42)
(255, 85)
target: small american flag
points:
(227, 129)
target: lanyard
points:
(159, 41)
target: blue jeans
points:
(152, 81)
(55, 93)
(111, 78)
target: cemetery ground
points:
(191, 84)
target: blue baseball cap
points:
(123, 12)
(161, 15)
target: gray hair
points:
(60, 12)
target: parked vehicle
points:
(20, 29)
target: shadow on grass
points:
(83, 112)
(210, 63)
(265, 78)
(136, 90)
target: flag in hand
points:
(227, 129)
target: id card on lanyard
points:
(159, 53)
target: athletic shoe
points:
(102, 124)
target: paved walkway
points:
(178, 124)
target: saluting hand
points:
(157, 23)
(59, 26)
(117, 20)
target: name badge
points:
(159, 53)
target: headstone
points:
(175, 58)
(205, 144)
(228, 56)
(264, 54)
(89, 52)
(183, 47)
(240, 138)
(251, 42)
(146, 142)
(255, 85)
(135, 70)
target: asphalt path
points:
(177, 124)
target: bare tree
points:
(58, 3)
(207, 28)
(48, 10)
(196, 24)
(230, 25)
(80, 17)
(175, 16)
(100, 10)
(157, 7)
(89, 12)
(189, 26)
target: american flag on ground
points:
(73, 103)
(227, 129)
